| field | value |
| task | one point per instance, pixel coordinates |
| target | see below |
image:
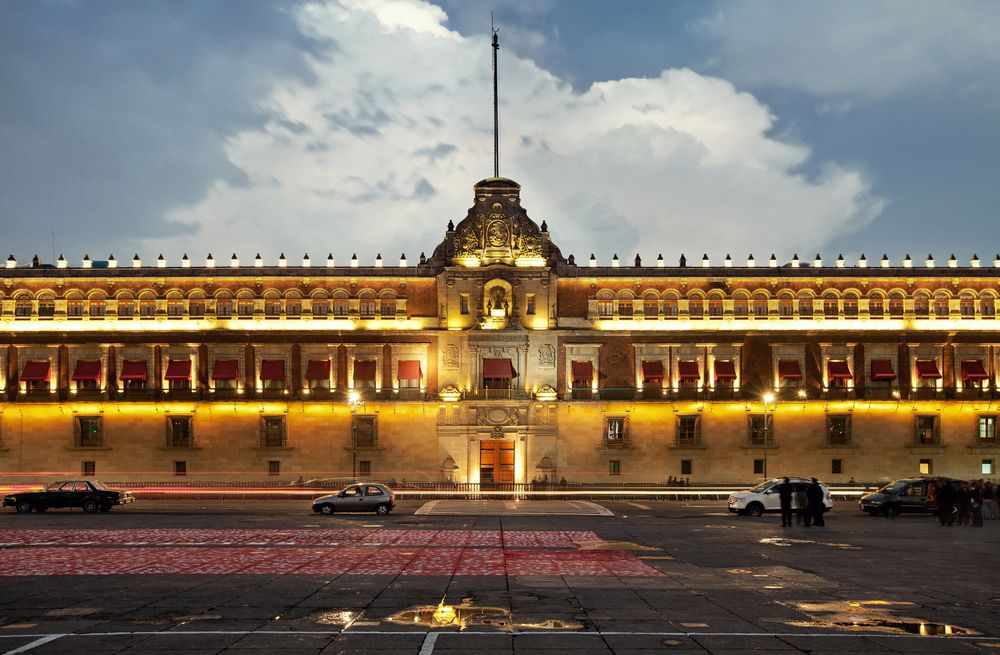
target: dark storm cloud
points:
(113, 112)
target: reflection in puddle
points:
(873, 614)
(343, 618)
(466, 615)
(786, 541)
(600, 544)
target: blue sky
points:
(351, 126)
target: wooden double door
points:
(496, 461)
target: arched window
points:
(921, 305)
(806, 306)
(850, 305)
(987, 306)
(760, 306)
(876, 306)
(896, 304)
(967, 305)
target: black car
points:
(89, 495)
(906, 495)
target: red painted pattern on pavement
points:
(315, 552)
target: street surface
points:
(449, 577)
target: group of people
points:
(678, 482)
(808, 502)
(967, 503)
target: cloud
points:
(378, 148)
(866, 48)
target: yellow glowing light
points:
(769, 397)
(354, 397)
(207, 324)
(797, 325)
(802, 393)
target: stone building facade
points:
(496, 360)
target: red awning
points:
(318, 369)
(133, 370)
(226, 369)
(87, 371)
(272, 369)
(973, 370)
(409, 369)
(498, 369)
(365, 369)
(178, 369)
(788, 369)
(688, 371)
(927, 369)
(583, 372)
(35, 372)
(838, 370)
(882, 370)
(725, 369)
(652, 370)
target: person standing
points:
(814, 506)
(801, 502)
(785, 497)
(945, 496)
(976, 503)
(963, 501)
(989, 495)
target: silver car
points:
(360, 497)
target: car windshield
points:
(762, 487)
(894, 487)
(54, 486)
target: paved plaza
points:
(652, 577)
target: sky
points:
(360, 126)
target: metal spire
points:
(496, 115)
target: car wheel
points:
(755, 509)
(90, 506)
(326, 508)
(382, 510)
(23, 506)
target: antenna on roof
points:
(496, 115)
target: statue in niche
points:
(498, 301)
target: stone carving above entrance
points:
(546, 356)
(498, 416)
(450, 357)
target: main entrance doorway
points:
(496, 462)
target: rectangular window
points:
(986, 468)
(272, 308)
(837, 466)
(987, 429)
(196, 308)
(387, 308)
(758, 425)
(926, 430)
(180, 468)
(926, 466)
(368, 307)
(89, 469)
(615, 430)
(625, 308)
(273, 432)
(530, 304)
(223, 308)
(604, 308)
(463, 303)
(686, 466)
(341, 307)
(614, 467)
(758, 467)
(688, 430)
(365, 431)
(320, 308)
(180, 432)
(273, 467)
(838, 429)
(90, 432)
(365, 468)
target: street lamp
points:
(768, 398)
(354, 403)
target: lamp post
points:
(354, 403)
(768, 398)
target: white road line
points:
(427, 647)
(639, 505)
(34, 644)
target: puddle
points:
(988, 644)
(672, 642)
(656, 557)
(19, 626)
(73, 611)
(342, 618)
(467, 615)
(600, 544)
(739, 571)
(721, 527)
(873, 615)
(786, 541)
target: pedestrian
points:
(989, 497)
(963, 500)
(801, 502)
(814, 506)
(785, 498)
(945, 496)
(976, 503)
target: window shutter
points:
(697, 430)
(168, 431)
(848, 429)
(937, 429)
(77, 438)
(191, 437)
(284, 431)
(624, 429)
(262, 430)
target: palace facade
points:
(497, 359)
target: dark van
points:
(906, 495)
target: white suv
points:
(764, 497)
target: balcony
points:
(839, 393)
(888, 392)
(496, 394)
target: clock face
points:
(497, 234)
